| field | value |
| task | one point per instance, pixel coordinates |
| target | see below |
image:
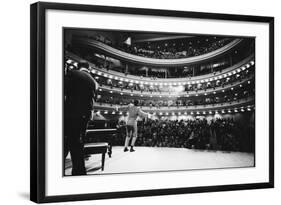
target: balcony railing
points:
(194, 108)
(134, 78)
(166, 94)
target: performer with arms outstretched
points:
(132, 126)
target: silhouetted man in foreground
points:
(80, 91)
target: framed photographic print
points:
(129, 102)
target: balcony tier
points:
(115, 53)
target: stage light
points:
(249, 109)
(225, 75)
(235, 110)
(196, 95)
(234, 72)
(223, 91)
(232, 88)
(191, 113)
(151, 96)
(116, 78)
(111, 91)
(229, 111)
(96, 77)
(141, 95)
(241, 85)
(197, 113)
(173, 113)
(98, 112)
(113, 112)
(204, 112)
(249, 82)
(222, 111)
(179, 113)
(236, 94)
(105, 112)
(205, 94)
(167, 113)
(105, 75)
(121, 79)
(238, 70)
(242, 110)
(214, 93)
(210, 112)
(247, 66)
(160, 113)
(99, 73)
(120, 113)
(243, 68)
(252, 62)
(185, 113)
(179, 89)
(100, 89)
(121, 93)
(132, 95)
(93, 71)
(160, 96)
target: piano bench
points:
(96, 148)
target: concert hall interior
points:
(191, 98)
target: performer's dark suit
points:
(80, 89)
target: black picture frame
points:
(38, 100)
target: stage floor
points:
(149, 159)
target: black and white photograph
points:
(145, 101)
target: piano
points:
(99, 135)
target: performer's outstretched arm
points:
(143, 114)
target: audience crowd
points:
(170, 49)
(218, 134)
